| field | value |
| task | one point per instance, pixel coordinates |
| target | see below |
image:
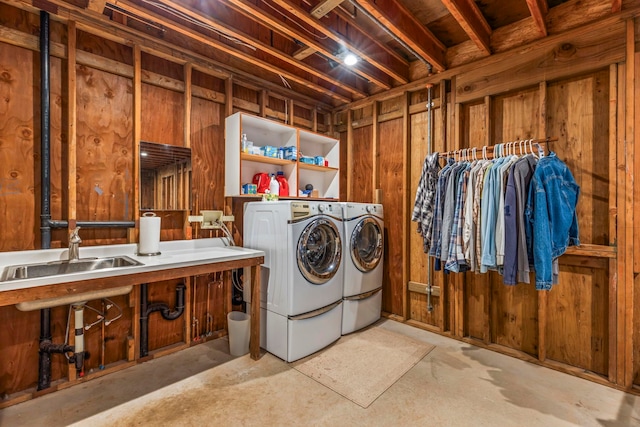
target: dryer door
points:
(319, 251)
(366, 244)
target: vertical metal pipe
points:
(45, 130)
(44, 368)
(44, 357)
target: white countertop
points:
(174, 254)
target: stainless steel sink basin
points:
(56, 268)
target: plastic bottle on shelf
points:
(274, 186)
(245, 148)
(284, 184)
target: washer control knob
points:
(369, 209)
(321, 208)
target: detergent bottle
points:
(284, 184)
(274, 186)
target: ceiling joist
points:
(402, 24)
(357, 42)
(200, 37)
(324, 7)
(470, 18)
(538, 9)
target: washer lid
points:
(319, 251)
(366, 244)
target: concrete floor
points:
(456, 384)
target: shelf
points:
(241, 167)
(265, 159)
(599, 251)
(316, 167)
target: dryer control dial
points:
(369, 209)
(321, 208)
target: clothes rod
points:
(489, 150)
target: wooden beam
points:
(324, 7)
(375, 67)
(223, 47)
(303, 52)
(354, 39)
(96, 6)
(539, 9)
(616, 6)
(119, 33)
(470, 18)
(403, 25)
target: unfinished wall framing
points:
(582, 89)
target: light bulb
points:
(350, 59)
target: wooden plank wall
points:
(179, 104)
(573, 90)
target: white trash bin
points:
(239, 325)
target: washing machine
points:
(363, 264)
(301, 278)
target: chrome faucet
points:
(74, 244)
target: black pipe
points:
(45, 130)
(146, 308)
(63, 223)
(44, 359)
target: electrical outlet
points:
(211, 219)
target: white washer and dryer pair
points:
(363, 264)
(301, 278)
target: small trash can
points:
(239, 325)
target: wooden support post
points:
(188, 68)
(71, 126)
(137, 130)
(613, 212)
(542, 295)
(407, 199)
(188, 308)
(627, 328)
(228, 91)
(264, 102)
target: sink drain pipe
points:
(146, 308)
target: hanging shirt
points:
(552, 222)
(424, 205)
(436, 230)
(469, 225)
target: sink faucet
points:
(74, 244)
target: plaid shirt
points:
(455, 257)
(423, 208)
(436, 229)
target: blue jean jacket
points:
(551, 219)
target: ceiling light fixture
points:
(350, 59)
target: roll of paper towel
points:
(149, 234)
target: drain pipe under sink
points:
(146, 308)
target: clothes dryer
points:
(301, 278)
(363, 265)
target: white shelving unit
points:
(241, 167)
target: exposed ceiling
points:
(299, 45)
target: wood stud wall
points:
(106, 97)
(585, 96)
(580, 86)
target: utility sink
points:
(56, 268)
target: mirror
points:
(165, 177)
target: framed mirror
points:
(165, 177)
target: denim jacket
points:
(551, 219)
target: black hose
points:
(146, 308)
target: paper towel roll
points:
(149, 234)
